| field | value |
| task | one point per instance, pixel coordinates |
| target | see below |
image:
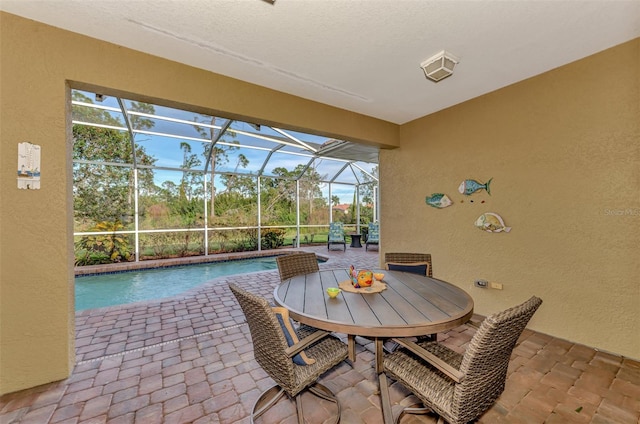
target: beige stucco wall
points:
(38, 65)
(563, 149)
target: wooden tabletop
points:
(412, 305)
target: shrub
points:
(92, 258)
(272, 238)
(103, 248)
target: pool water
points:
(97, 291)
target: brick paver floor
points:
(189, 359)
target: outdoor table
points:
(412, 305)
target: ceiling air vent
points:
(440, 66)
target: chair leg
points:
(428, 338)
(272, 395)
(418, 411)
(299, 409)
(267, 399)
(323, 392)
(387, 412)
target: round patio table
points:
(411, 305)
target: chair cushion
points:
(336, 232)
(373, 234)
(290, 335)
(421, 268)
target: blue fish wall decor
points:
(468, 187)
(439, 200)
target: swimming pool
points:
(100, 290)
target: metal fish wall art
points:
(491, 223)
(438, 200)
(468, 187)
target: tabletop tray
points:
(376, 287)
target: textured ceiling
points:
(360, 55)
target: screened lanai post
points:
(375, 203)
(358, 208)
(211, 159)
(206, 215)
(330, 204)
(297, 243)
(127, 122)
(259, 192)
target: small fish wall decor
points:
(468, 187)
(439, 200)
(491, 223)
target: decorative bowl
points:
(333, 292)
(378, 275)
(364, 278)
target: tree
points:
(366, 195)
(101, 192)
(104, 192)
(278, 198)
(239, 183)
(191, 183)
(353, 213)
(310, 191)
(279, 194)
(219, 156)
(189, 206)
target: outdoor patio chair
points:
(418, 263)
(297, 264)
(373, 235)
(279, 349)
(409, 262)
(459, 388)
(336, 235)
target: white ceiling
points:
(360, 55)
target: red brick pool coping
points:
(189, 260)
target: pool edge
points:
(190, 260)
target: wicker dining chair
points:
(410, 258)
(459, 388)
(417, 261)
(296, 264)
(273, 353)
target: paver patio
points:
(189, 359)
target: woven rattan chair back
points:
(406, 258)
(485, 362)
(269, 343)
(296, 264)
(270, 350)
